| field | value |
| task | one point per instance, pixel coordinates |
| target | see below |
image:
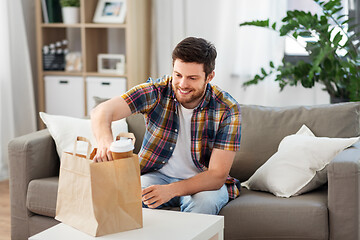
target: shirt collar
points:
(206, 100)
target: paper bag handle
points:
(83, 139)
(127, 135)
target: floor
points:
(4, 210)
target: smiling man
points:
(192, 133)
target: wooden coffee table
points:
(158, 224)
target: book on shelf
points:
(44, 11)
(54, 11)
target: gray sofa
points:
(329, 212)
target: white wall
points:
(210, 19)
(241, 51)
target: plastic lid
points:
(122, 145)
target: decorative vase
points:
(71, 15)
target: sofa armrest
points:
(31, 156)
(344, 194)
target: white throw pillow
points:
(299, 165)
(64, 131)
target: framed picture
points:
(73, 62)
(110, 11)
(111, 63)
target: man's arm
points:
(101, 118)
(212, 179)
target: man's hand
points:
(103, 153)
(101, 118)
(156, 195)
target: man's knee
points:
(152, 178)
(207, 202)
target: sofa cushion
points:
(260, 215)
(41, 196)
(264, 127)
(300, 157)
(136, 125)
(64, 131)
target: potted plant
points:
(70, 11)
(329, 34)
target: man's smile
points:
(184, 92)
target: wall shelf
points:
(92, 39)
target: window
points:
(295, 49)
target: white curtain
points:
(242, 51)
(17, 105)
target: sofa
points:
(331, 211)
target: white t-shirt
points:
(180, 164)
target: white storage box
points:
(103, 87)
(64, 95)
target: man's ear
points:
(210, 77)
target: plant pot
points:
(338, 99)
(71, 15)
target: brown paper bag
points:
(99, 198)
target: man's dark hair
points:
(196, 50)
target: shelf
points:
(104, 25)
(63, 73)
(130, 38)
(60, 25)
(86, 74)
(96, 74)
(86, 25)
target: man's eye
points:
(178, 75)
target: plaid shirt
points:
(215, 124)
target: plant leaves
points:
(257, 23)
(329, 5)
(337, 39)
(263, 72)
(340, 75)
(273, 26)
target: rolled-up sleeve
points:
(141, 98)
(229, 134)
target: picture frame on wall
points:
(111, 63)
(110, 11)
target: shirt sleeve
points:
(229, 133)
(142, 98)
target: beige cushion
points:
(99, 100)
(292, 169)
(264, 127)
(136, 125)
(41, 196)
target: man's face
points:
(189, 83)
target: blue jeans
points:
(207, 202)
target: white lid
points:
(122, 145)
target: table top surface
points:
(157, 224)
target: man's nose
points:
(183, 83)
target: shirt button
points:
(171, 148)
(176, 130)
(202, 109)
(163, 162)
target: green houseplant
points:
(70, 3)
(340, 74)
(70, 11)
